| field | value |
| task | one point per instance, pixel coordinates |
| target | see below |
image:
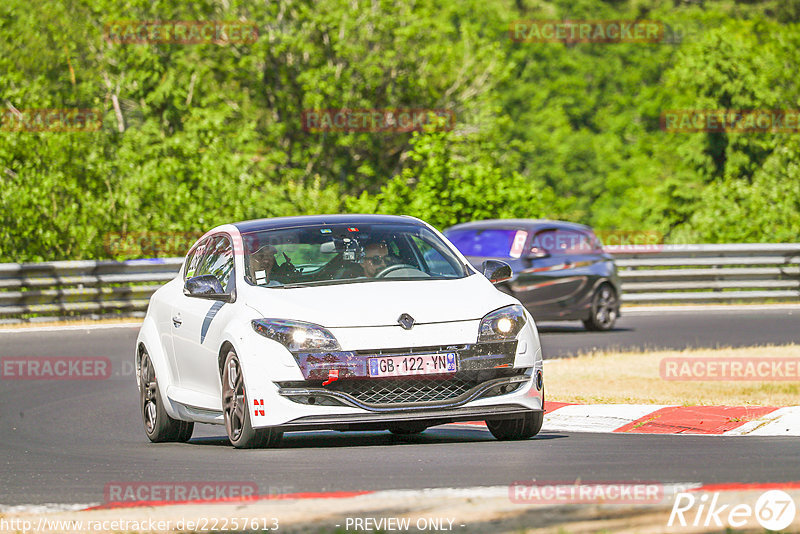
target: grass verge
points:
(634, 377)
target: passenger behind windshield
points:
(260, 265)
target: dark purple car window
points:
(495, 243)
(564, 242)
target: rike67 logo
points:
(774, 510)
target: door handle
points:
(177, 321)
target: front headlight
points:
(503, 324)
(297, 336)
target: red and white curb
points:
(666, 493)
(668, 419)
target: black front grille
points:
(407, 390)
(404, 390)
(418, 350)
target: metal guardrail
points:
(57, 289)
(650, 274)
(708, 273)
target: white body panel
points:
(361, 316)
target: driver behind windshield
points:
(376, 259)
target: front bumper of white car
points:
(495, 380)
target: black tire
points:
(605, 309)
(523, 427)
(235, 408)
(158, 425)
(407, 429)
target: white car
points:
(343, 322)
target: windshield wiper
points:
(326, 282)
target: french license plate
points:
(418, 364)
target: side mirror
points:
(206, 286)
(496, 271)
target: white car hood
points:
(380, 303)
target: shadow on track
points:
(334, 439)
(554, 328)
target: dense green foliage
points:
(194, 135)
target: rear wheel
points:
(158, 425)
(523, 427)
(605, 309)
(236, 410)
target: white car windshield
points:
(333, 254)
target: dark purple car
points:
(560, 270)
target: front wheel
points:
(236, 410)
(158, 425)
(523, 427)
(605, 309)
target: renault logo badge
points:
(406, 321)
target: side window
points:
(218, 261)
(436, 264)
(597, 245)
(193, 260)
(394, 250)
(558, 242)
(216, 257)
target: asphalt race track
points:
(650, 330)
(63, 441)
